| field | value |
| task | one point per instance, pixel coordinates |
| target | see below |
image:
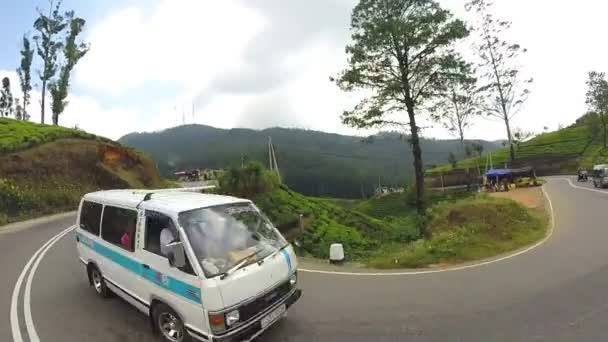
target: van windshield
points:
(222, 236)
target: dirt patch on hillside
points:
(529, 197)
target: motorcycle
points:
(582, 176)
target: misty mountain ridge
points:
(312, 162)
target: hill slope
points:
(558, 152)
(313, 163)
(46, 169)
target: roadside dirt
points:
(529, 197)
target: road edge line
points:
(14, 317)
(27, 310)
(455, 268)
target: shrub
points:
(249, 181)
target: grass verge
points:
(466, 230)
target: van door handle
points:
(146, 266)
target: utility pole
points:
(272, 160)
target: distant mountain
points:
(314, 163)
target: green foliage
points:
(6, 98)
(25, 77)
(597, 99)
(572, 142)
(401, 52)
(249, 181)
(72, 53)
(312, 163)
(469, 229)
(452, 159)
(17, 135)
(48, 45)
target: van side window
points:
(118, 227)
(155, 224)
(161, 229)
(90, 217)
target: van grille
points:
(260, 304)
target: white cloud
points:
(83, 112)
(188, 41)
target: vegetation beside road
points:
(384, 232)
(46, 169)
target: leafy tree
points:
(477, 148)
(19, 112)
(399, 53)
(520, 136)
(6, 98)
(248, 181)
(73, 52)
(597, 97)
(505, 89)
(25, 77)
(452, 159)
(457, 102)
(48, 46)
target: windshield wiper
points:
(236, 266)
(273, 254)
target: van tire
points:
(98, 282)
(163, 315)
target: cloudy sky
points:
(154, 64)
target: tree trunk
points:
(511, 149)
(55, 119)
(418, 171)
(602, 116)
(42, 102)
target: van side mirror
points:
(176, 255)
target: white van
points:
(203, 267)
(600, 175)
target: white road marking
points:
(450, 269)
(16, 331)
(583, 188)
(29, 322)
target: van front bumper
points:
(254, 328)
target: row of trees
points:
(59, 50)
(403, 53)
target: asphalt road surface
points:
(557, 291)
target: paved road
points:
(555, 292)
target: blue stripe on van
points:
(287, 258)
(174, 285)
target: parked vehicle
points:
(204, 267)
(600, 175)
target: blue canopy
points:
(499, 172)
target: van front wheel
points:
(169, 324)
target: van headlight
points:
(293, 280)
(232, 317)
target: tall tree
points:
(25, 76)
(457, 102)
(72, 52)
(506, 90)
(399, 52)
(6, 98)
(48, 46)
(597, 97)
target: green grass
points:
(18, 135)
(571, 141)
(327, 223)
(46, 169)
(465, 230)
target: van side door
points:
(179, 288)
(117, 247)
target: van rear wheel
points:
(169, 324)
(99, 284)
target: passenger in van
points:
(127, 238)
(166, 237)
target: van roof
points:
(161, 200)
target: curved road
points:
(555, 292)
